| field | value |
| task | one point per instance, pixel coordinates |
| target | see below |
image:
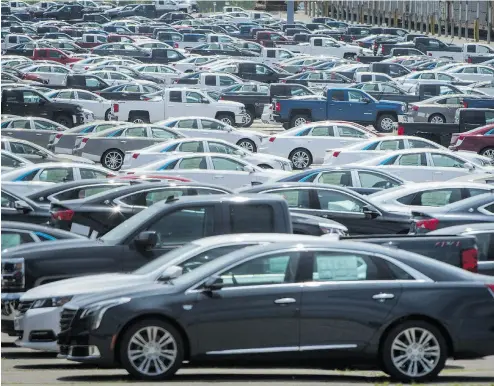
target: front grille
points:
(66, 319)
(24, 306)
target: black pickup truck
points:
(29, 102)
(84, 82)
(424, 44)
(254, 101)
(466, 119)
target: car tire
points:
(386, 123)
(437, 118)
(300, 158)
(488, 152)
(112, 159)
(107, 115)
(247, 144)
(299, 120)
(414, 351)
(286, 126)
(65, 120)
(138, 118)
(250, 118)
(143, 340)
(226, 118)
(349, 56)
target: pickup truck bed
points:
(460, 251)
(438, 133)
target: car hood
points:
(85, 285)
(33, 250)
(383, 103)
(230, 104)
(67, 106)
(73, 158)
(275, 173)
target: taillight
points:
(282, 80)
(84, 140)
(460, 140)
(430, 225)
(465, 104)
(415, 108)
(336, 153)
(135, 155)
(63, 215)
(382, 50)
(272, 139)
(58, 136)
(116, 107)
(401, 130)
(469, 259)
(86, 67)
(175, 45)
(277, 107)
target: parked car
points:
(15, 233)
(16, 207)
(128, 91)
(109, 146)
(241, 269)
(100, 106)
(135, 159)
(480, 140)
(33, 129)
(12, 161)
(441, 109)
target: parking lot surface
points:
(27, 367)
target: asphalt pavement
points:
(27, 367)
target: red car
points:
(53, 54)
(479, 140)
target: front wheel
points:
(386, 123)
(247, 144)
(437, 118)
(301, 158)
(488, 152)
(107, 115)
(414, 351)
(250, 118)
(226, 118)
(151, 350)
(112, 159)
(64, 120)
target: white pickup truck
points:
(194, 40)
(179, 102)
(12, 40)
(327, 46)
(213, 81)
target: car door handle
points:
(382, 297)
(123, 141)
(9, 133)
(39, 134)
(218, 177)
(285, 301)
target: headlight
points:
(330, 230)
(51, 302)
(403, 108)
(13, 274)
(96, 311)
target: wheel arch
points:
(140, 113)
(385, 112)
(151, 315)
(423, 318)
(294, 112)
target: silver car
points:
(134, 159)
(10, 161)
(64, 143)
(36, 153)
(440, 109)
(109, 146)
(34, 129)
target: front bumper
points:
(10, 301)
(241, 118)
(38, 328)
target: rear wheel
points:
(437, 118)
(112, 159)
(247, 144)
(301, 158)
(250, 118)
(107, 115)
(65, 120)
(151, 350)
(488, 152)
(139, 118)
(299, 120)
(414, 351)
(226, 118)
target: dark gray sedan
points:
(124, 49)
(34, 129)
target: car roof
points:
(254, 237)
(464, 228)
(289, 185)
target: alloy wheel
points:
(300, 121)
(113, 160)
(488, 153)
(227, 120)
(415, 352)
(247, 145)
(387, 124)
(152, 351)
(300, 159)
(437, 119)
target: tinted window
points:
(210, 255)
(443, 160)
(374, 180)
(57, 175)
(341, 178)
(7, 200)
(87, 174)
(191, 147)
(251, 218)
(338, 202)
(296, 198)
(439, 197)
(322, 131)
(417, 144)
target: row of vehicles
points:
(138, 206)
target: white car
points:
(114, 78)
(378, 146)
(54, 74)
(215, 129)
(135, 159)
(213, 168)
(168, 73)
(425, 165)
(99, 106)
(41, 306)
(426, 194)
(306, 144)
(85, 64)
(407, 82)
(191, 63)
(473, 72)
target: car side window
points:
(347, 131)
(21, 124)
(343, 266)
(296, 198)
(8, 201)
(322, 131)
(187, 124)
(220, 163)
(442, 160)
(86, 96)
(391, 145)
(191, 147)
(88, 174)
(22, 148)
(216, 147)
(193, 163)
(155, 196)
(184, 225)
(339, 202)
(341, 178)
(57, 175)
(31, 97)
(212, 125)
(176, 96)
(438, 197)
(489, 208)
(193, 97)
(411, 160)
(14, 238)
(162, 133)
(375, 180)
(210, 255)
(417, 144)
(485, 244)
(135, 132)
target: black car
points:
(121, 49)
(258, 72)
(99, 214)
(221, 49)
(128, 91)
(17, 233)
(337, 203)
(361, 179)
(310, 304)
(477, 209)
(318, 79)
(17, 208)
(484, 233)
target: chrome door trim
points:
(327, 347)
(263, 350)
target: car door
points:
(446, 167)
(217, 130)
(193, 168)
(197, 103)
(369, 182)
(132, 138)
(58, 75)
(347, 300)
(255, 311)
(359, 106)
(43, 130)
(188, 127)
(28, 152)
(92, 102)
(20, 129)
(230, 173)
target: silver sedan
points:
(440, 109)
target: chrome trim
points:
(327, 347)
(281, 349)
(285, 301)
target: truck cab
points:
(15, 39)
(93, 40)
(327, 46)
(67, 12)
(53, 54)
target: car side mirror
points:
(204, 100)
(22, 206)
(213, 283)
(370, 212)
(249, 169)
(366, 100)
(146, 240)
(42, 102)
(171, 273)
(469, 166)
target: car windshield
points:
(161, 261)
